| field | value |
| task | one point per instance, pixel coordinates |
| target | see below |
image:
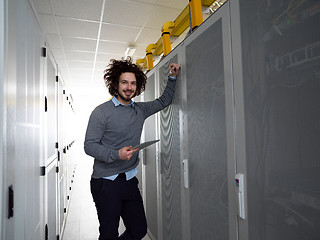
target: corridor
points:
(81, 219)
(238, 155)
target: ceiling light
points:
(130, 51)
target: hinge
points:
(57, 169)
(65, 210)
(45, 104)
(58, 155)
(57, 145)
(42, 171)
(11, 202)
(64, 150)
(44, 52)
(64, 91)
(57, 78)
(58, 237)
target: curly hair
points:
(116, 68)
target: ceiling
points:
(83, 35)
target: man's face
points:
(127, 87)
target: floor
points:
(82, 222)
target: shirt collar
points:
(117, 103)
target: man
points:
(114, 127)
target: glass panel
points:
(207, 147)
(281, 70)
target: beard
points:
(125, 97)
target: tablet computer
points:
(145, 144)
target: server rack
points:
(245, 119)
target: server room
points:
(238, 150)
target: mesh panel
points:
(170, 161)
(282, 111)
(207, 135)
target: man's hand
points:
(174, 69)
(126, 153)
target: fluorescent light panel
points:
(130, 51)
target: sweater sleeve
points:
(92, 144)
(163, 101)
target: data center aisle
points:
(82, 222)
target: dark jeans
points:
(119, 198)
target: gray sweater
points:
(113, 127)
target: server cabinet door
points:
(52, 200)
(140, 167)
(2, 95)
(151, 200)
(170, 191)
(61, 160)
(279, 61)
(210, 144)
(21, 116)
(51, 111)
